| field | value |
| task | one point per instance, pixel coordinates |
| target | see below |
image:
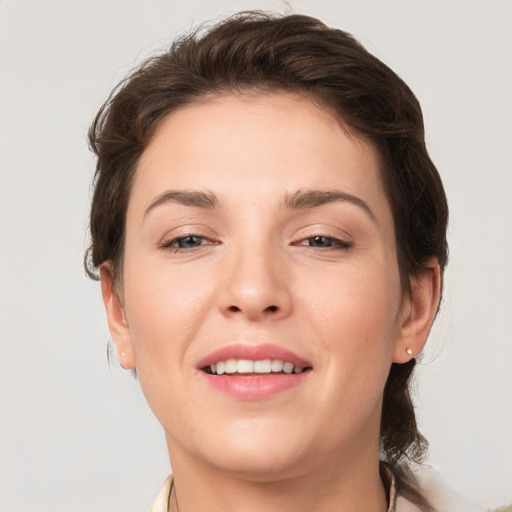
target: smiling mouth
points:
(248, 367)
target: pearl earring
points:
(409, 352)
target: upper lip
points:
(254, 353)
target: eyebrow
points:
(196, 198)
(302, 200)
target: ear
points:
(418, 311)
(118, 326)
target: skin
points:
(255, 273)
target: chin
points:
(257, 451)
(258, 465)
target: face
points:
(259, 241)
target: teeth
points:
(287, 367)
(231, 366)
(247, 366)
(264, 366)
(277, 365)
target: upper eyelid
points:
(305, 232)
(332, 232)
(189, 229)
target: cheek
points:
(363, 298)
(164, 310)
(353, 313)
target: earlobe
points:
(418, 313)
(117, 323)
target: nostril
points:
(269, 309)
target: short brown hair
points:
(262, 52)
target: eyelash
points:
(169, 244)
(334, 244)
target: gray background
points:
(76, 435)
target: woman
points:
(270, 235)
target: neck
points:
(333, 487)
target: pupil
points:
(320, 240)
(189, 241)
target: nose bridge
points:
(256, 283)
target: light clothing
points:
(162, 500)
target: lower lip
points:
(254, 387)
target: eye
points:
(325, 242)
(186, 242)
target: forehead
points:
(255, 145)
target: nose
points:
(256, 286)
